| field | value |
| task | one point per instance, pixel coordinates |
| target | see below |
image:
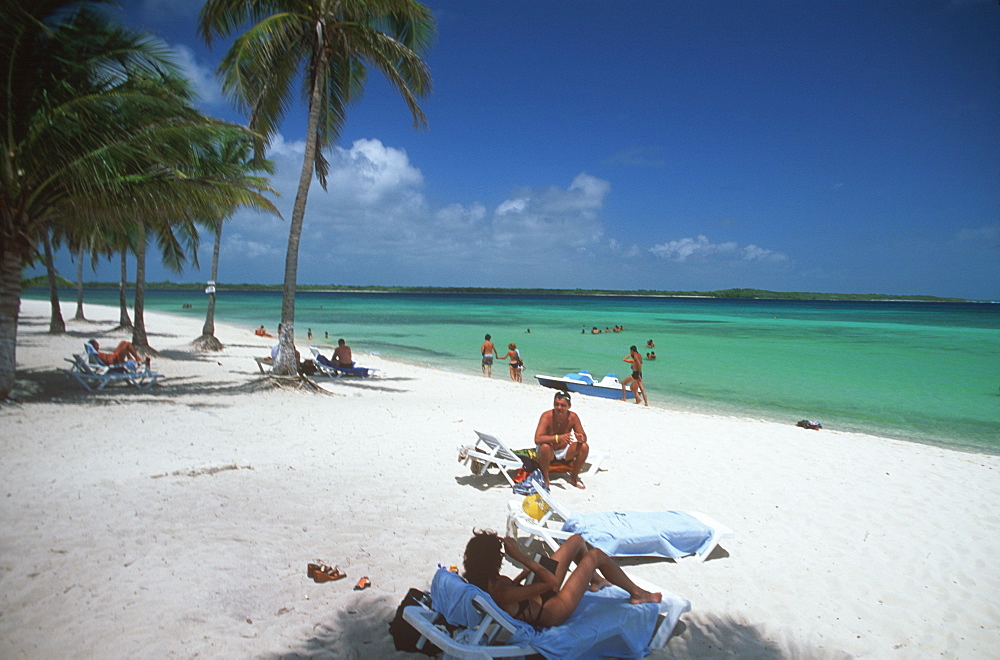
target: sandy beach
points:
(178, 522)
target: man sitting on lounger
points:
(124, 352)
(342, 355)
(560, 435)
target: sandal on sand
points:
(323, 573)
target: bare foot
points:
(578, 482)
(643, 596)
(598, 583)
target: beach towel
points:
(555, 467)
(669, 534)
(604, 625)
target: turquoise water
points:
(928, 372)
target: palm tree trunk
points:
(208, 341)
(10, 304)
(79, 287)
(139, 339)
(124, 322)
(57, 326)
(286, 364)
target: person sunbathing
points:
(548, 601)
(124, 352)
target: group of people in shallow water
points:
(489, 353)
(596, 331)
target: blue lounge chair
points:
(328, 368)
(605, 624)
(92, 374)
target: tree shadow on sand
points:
(358, 630)
(361, 630)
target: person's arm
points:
(577, 426)
(627, 358)
(542, 435)
(545, 580)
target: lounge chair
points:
(263, 362)
(666, 534)
(489, 452)
(328, 368)
(92, 374)
(604, 625)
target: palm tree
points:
(57, 326)
(232, 158)
(79, 316)
(83, 142)
(331, 44)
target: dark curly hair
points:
(483, 557)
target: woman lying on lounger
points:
(544, 603)
(124, 352)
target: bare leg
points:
(582, 451)
(544, 455)
(642, 386)
(636, 384)
(624, 385)
(562, 606)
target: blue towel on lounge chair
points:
(352, 370)
(670, 534)
(604, 625)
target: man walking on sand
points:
(560, 435)
(635, 358)
(488, 350)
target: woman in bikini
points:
(548, 601)
(516, 366)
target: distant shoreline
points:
(723, 294)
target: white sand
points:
(126, 532)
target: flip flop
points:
(579, 484)
(363, 583)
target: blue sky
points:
(846, 146)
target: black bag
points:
(405, 636)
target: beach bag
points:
(405, 636)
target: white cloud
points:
(701, 249)
(202, 77)
(375, 225)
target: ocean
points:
(924, 372)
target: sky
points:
(850, 146)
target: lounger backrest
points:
(499, 448)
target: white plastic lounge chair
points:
(94, 375)
(488, 452)
(264, 362)
(604, 625)
(667, 534)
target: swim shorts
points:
(560, 454)
(636, 375)
(487, 358)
